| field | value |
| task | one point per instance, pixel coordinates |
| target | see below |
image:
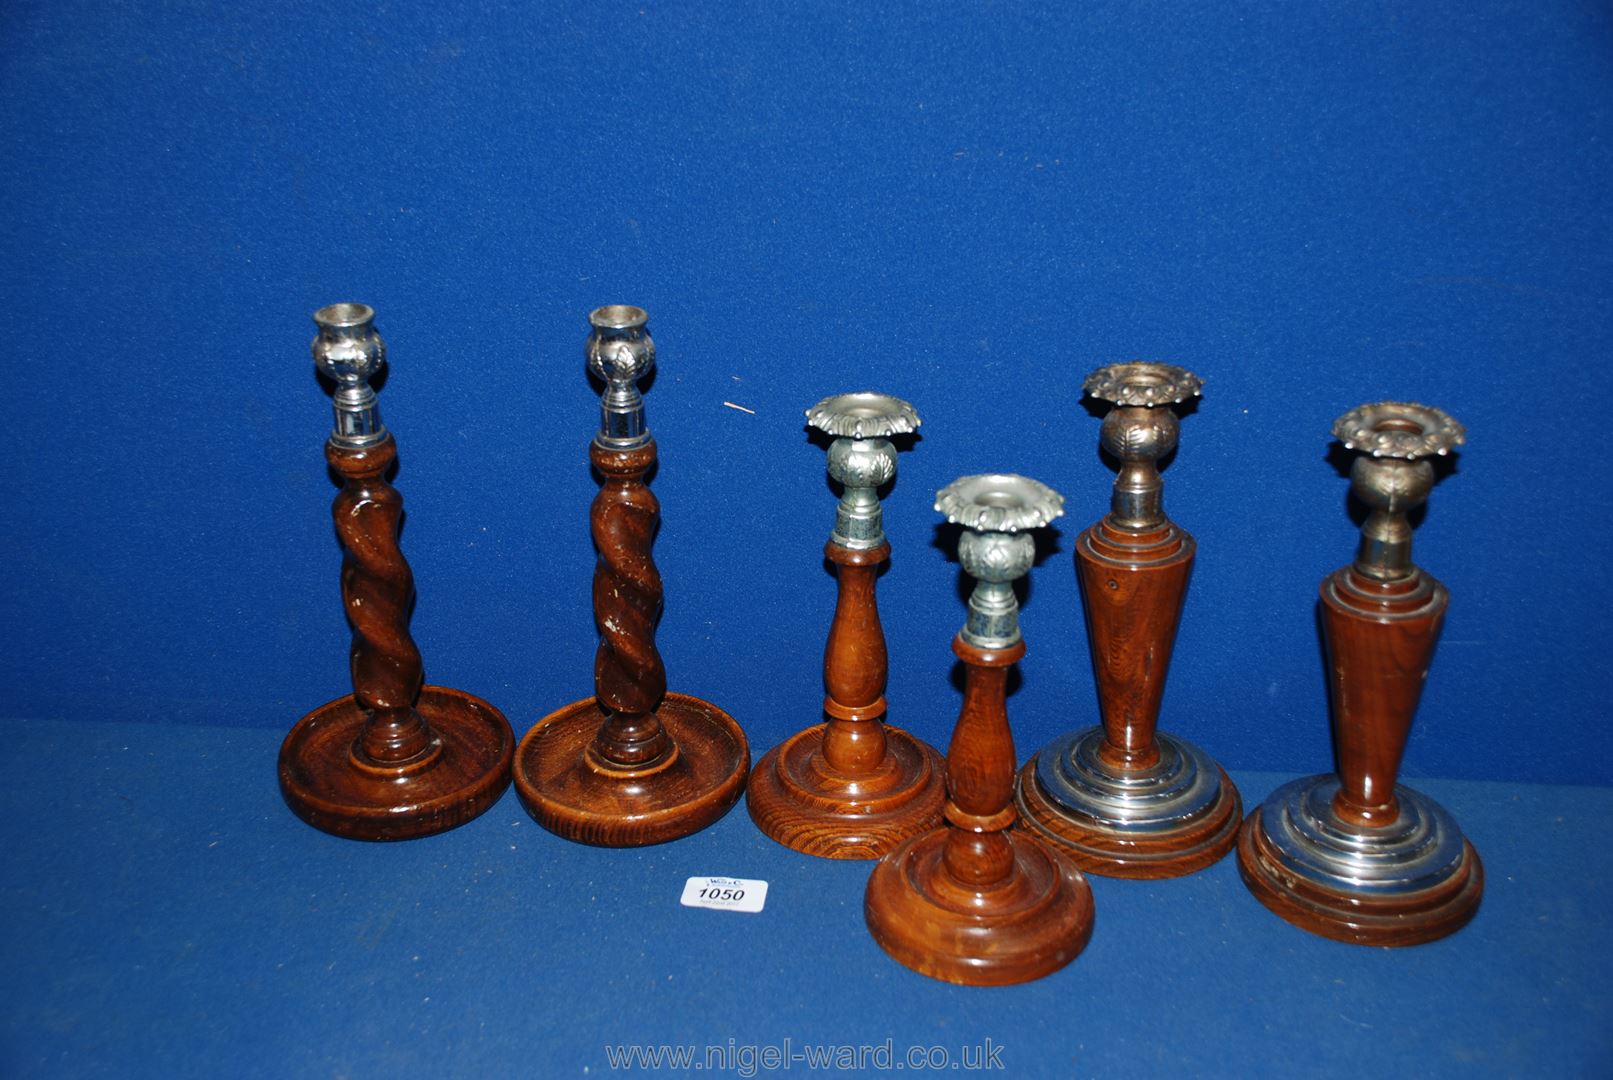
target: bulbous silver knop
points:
(862, 458)
(621, 353)
(1393, 476)
(348, 350)
(1140, 430)
(998, 509)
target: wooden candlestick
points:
(973, 902)
(1123, 799)
(633, 764)
(852, 788)
(1354, 856)
(394, 759)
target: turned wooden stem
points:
(629, 678)
(855, 664)
(980, 771)
(1134, 584)
(1380, 642)
(376, 589)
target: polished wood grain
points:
(851, 788)
(1380, 642)
(579, 794)
(629, 677)
(855, 664)
(331, 786)
(974, 902)
(392, 760)
(1380, 638)
(1134, 585)
(1354, 917)
(633, 764)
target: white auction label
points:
(725, 893)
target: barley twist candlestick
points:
(1355, 856)
(973, 902)
(1123, 799)
(394, 759)
(852, 788)
(634, 764)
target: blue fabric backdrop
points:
(968, 205)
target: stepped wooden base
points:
(796, 798)
(573, 795)
(463, 774)
(1035, 922)
(1409, 919)
(1157, 853)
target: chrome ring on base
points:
(1413, 880)
(1182, 785)
(1179, 815)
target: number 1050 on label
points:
(725, 894)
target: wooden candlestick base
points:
(1313, 899)
(582, 796)
(796, 798)
(328, 784)
(1032, 925)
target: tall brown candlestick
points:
(974, 902)
(634, 764)
(394, 759)
(1354, 856)
(1123, 799)
(852, 788)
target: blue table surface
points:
(165, 914)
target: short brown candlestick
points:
(973, 902)
(633, 764)
(394, 759)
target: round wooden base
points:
(1156, 853)
(463, 774)
(574, 795)
(796, 798)
(1359, 919)
(1035, 922)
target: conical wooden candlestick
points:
(1355, 856)
(1124, 799)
